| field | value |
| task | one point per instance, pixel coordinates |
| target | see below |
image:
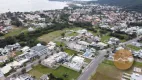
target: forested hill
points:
(127, 4)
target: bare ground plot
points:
(107, 72)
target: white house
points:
(113, 41)
(30, 29)
(136, 76)
(51, 45)
(76, 63)
(53, 59)
(139, 32)
(25, 49)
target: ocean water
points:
(29, 5)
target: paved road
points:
(92, 66)
(95, 62)
(133, 40)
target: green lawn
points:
(108, 62)
(105, 38)
(72, 34)
(88, 60)
(60, 43)
(15, 31)
(18, 53)
(133, 47)
(39, 70)
(70, 52)
(138, 64)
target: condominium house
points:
(23, 77)
(139, 32)
(4, 52)
(138, 53)
(113, 41)
(7, 49)
(39, 50)
(52, 60)
(51, 45)
(99, 45)
(15, 46)
(136, 76)
(76, 63)
(30, 29)
(44, 77)
(25, 49)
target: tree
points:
(16, 22)
(3, 43)
(63, 35)
(10, 40)
(65, 75)
(23, 71)
(34, 77)
(21, 37)
(39, 61)
(106, 56)
(59, 79)
(43, 43)
(11, 59)
(51, 76)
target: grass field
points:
(51, 36)
(105, 38)
(18, 53)
(133, 47)
(70, 52)
(39, 70)
(15, 31)
(60, 43)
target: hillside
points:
(127, 4)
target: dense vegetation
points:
(30, 38)
(127, 4)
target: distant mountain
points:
(127, 4)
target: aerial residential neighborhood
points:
(78, 42)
